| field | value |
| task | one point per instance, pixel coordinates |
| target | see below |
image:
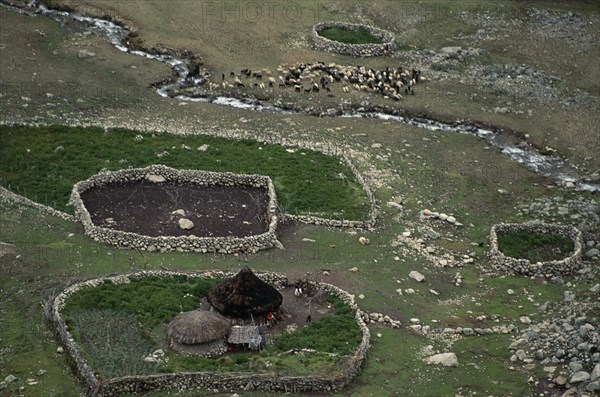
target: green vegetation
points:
(338, 334)
(113, 341)
(117, 325)
(348, 36)
(152, 300)
(537, 247)
(32, 163)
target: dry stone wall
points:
(321, 43)
(335, 149)
(226, 245)
(524, 266)
(214, 381)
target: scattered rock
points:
(10, 378)
(203, 148)
(59, 149)
(415, 275)
(277, 244)
(85, 54)
(185, 224)
(155, 178)
(594, 252)
(179, 212)
(60, 350)
(394, 205)
(353, 270)
(525, 320)
(364, 240)
(446, 359)
(579, 377)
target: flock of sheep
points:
(314, 77)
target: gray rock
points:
(10, 378)
(84, 54)
(59, 149)
(415, 275)
(155, 178)
(394, 205)
(592, 253)
(185, 224)
(445, 359)
(593, 386)
(451, 50)
(595, 375)
(432, 235)
(579, 377)
(575, 366)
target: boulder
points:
(445, 359)
(185, 224)
(85, 54)
(155, 178)
(579, 377)
(415, 275)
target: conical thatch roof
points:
(244, 295)
(198, 326)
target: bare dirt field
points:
(150, 209)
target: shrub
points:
(113, 342)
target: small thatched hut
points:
(244, 296)
(199, 332)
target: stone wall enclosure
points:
(524, 266)
(225, 382)
(321, 43)
(190, 243)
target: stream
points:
(551, 166)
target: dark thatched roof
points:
(198, 326)
(244, 295)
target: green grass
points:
(152, 300)
(305, 181)
(114, 342)
(348, 36)
(537, 247)
(116, 325)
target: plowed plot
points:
(149, 209)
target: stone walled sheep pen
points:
(321, 43)
(226, 382)
(189, 243)
(523, 266)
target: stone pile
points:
(567, 344)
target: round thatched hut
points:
(199, 332)
(244, 296)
